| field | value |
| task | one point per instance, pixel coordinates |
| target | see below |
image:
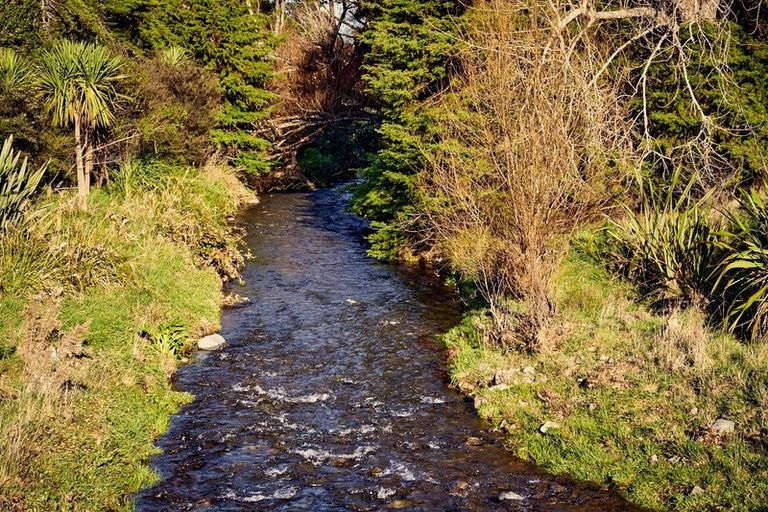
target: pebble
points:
(723, 425)
(547, 426)
(696, 490)
(511, 496)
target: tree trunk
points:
(279, 16)
(697, 10)
(82, 191)
(88, 163)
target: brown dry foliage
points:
(319, 68)
(529, 151)
(54, 365)
(53, 359)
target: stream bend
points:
(332, 395)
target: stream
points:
(332, 392)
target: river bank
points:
(626, 398)
(332, 393)
(97, 310)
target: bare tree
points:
(319, 69)
(529, 149)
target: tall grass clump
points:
(743, 273)
(667, 247)
(14, 70)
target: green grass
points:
(131, 263)
(632, 390)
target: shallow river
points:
(332, 394)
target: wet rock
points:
(233, 300)
(724, 426)
(384, 493)
(212, 342)
(557, 488)
(460, 489)
(697, 490)
(473, 441)
(511, 496)
(547, 426)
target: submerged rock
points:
(510, 496)
(460, 489)
(212, 342)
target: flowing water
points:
(332, 394)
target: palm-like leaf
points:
(17, 183)
(14, 71)
(173, 56)
(80, 80)
(743, 277)
(667, 247)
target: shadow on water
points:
(331, 394)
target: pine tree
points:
(408, 50)
(227, 38)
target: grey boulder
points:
(212, 342)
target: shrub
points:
(18, 183)
(14, 71)
(529, 151)
(743, 274)
(178, 103)
(668, 247)
(169, 338)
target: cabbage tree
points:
(78, 85)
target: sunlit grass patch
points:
(633, 394)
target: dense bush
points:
(177, 105)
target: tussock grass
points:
(143, 257)
(635, 393)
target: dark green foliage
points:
(337, 152)
(229, 41)
(409, 47)
(731, 86)
(28, 24)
